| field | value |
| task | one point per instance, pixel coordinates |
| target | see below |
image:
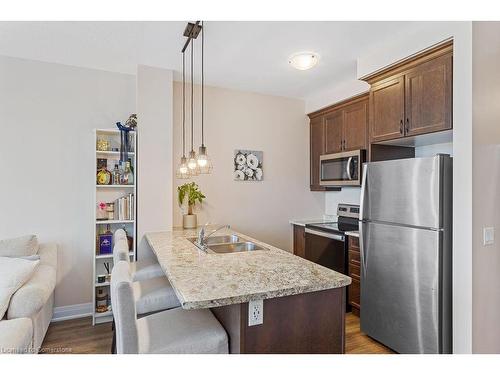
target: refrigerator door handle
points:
(362, 250)
(363, 199)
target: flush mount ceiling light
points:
(303, 60)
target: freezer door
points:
(400, 304)
(406, 191)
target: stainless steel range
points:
(326, 243)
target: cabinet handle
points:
(401, 126)
(344, 145)
(407, 127)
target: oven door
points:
(342, 169)
(326, 249)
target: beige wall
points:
(278, 127)
(47, 158)
(486, 187)
(154, 185)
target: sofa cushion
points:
(19, 246)
(14, 273)
(16, 336)
(29, 299)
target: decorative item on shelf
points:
(107, 277)
(103, 144)
(101, 300)
(101, 279)
(128, 174)
(116, 175)
(110, 209)
(193, 194)
(103, 176)
(248, 165)
(102, 213)
(106, 242)
(130, 125)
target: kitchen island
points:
(304, 303)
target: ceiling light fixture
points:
(192, 163)
(203, 160)
(183, 171)
(303, 60)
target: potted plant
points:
(193, 194)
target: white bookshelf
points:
(109, 193)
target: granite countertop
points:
(352, 233)
(203, 280)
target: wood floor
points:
(79, 336)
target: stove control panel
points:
(348, 210)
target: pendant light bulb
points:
(183, 169)
(202, 157)
(192, 164)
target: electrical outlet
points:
(488, 236)
(255, 312)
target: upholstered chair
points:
(142, 269)
(151, 294)
(171, 331)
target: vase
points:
(189, 221)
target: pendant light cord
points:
(183, 105)
(192, 94)
(202, 81)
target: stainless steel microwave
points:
(341, 169)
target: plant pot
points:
(189, 221)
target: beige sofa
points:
(35, 299)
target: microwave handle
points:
(348, 168)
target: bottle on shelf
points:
(128, 175)
(116, 175)
(103, 176)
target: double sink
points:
(227, 244)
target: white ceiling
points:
(249, 56)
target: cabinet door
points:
(299, 240)
(334, 124)
(429, 97)
(317, 148)
(387, 109)
(356, 126)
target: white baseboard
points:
(72, 312)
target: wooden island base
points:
(300, 324)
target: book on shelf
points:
(124, 207)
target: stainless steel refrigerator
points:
(406, 253)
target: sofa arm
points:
(48, 254)
(32, 296)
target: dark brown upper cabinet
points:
(413, 97)
(334, 128)
(355, 126)
(317, 148)
(428, 94)
(387, 109)
(340, 127)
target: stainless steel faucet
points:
(202, 237)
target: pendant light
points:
(183, 171)
(203, 160)
(192, 162)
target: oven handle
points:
(337, 237)
(348, 168)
